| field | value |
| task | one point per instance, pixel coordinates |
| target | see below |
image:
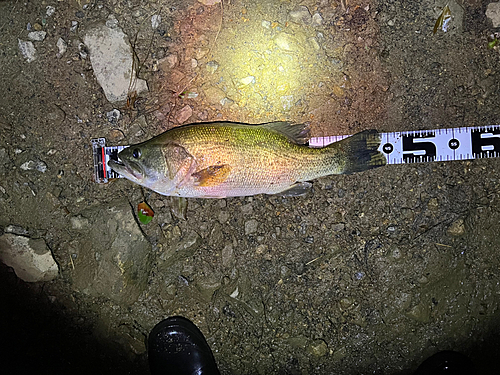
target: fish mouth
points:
(126, 170)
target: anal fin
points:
(296, 190)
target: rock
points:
(79, 222)
(318, 348)
(62, 46)
(31, 259)
(172, 60)
(317, 20)
(300, 15)
(155, 21)
(112, 22)
(37, 165)
(227, 255)
(457, 228)
(50, 10)
(209, 2)
(114, 258)
(493, 13)
(111, 58)
(184, 114)
(201, 52)
(16, 229)
(37, 36)
(113, 116)
(212, 66)
(251, 226)
(27, 50)
(182, 248)
(247, 80)
(266, 24)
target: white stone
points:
(31, 259)
(50, 10)
(27, 50)
(247, 80)
(111, 57)
(62, 46)
(37, 36)
(493, 13)
(155, 21)
(32, 165)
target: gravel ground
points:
(368, 273)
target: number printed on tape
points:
(423, 146)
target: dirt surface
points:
(368, 273)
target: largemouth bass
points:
(223, 159)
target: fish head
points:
(145, 165)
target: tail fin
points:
(361, 152)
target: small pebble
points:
(317, 20)
(113, 116)
(184, 114)
(457, 228)
(266, 24)
(212, 66)
(27, 50)
(247, 80)
(251, 226)
(37, 36)
(37, 165)
(62, 46)
(111, 22)
(300, 15)
(50, 10)
(155, 21)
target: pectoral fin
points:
(212, 176)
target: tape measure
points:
(418, 146)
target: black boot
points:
(177, 346)
(446, 363)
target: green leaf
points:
(145, 213)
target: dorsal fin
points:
(298, 133)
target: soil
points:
(368, 273)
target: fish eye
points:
(136, 153)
